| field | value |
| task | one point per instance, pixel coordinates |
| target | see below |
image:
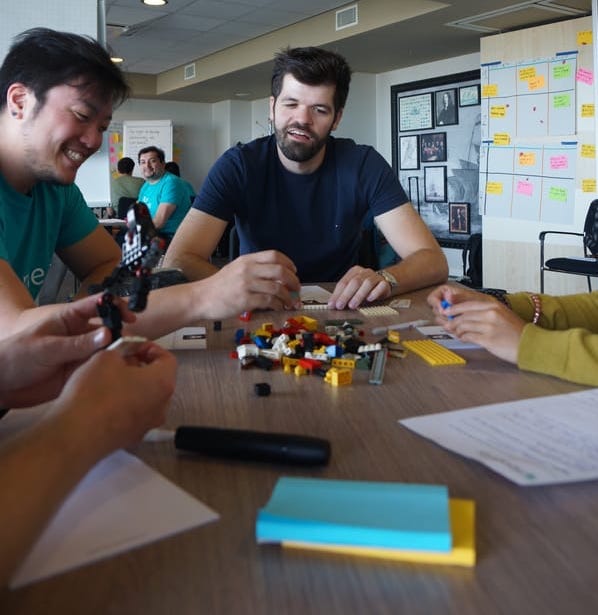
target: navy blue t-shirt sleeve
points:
(382, 185)
(221, 191)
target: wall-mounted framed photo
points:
(409, 152)
(433, 147)
(435, 184)
(415, 112)
(445, 106)
(469, 95)
(459, 218)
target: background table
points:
(537, 547)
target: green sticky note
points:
(561, 71)
(557, 194)
(561, 101)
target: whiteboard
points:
(93, 177)
(143, 133)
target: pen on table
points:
(399, 326)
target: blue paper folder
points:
(392, 515)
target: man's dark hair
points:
(152, 148)
(313, 66)
(173, 167)
(125, 165)
(41, 59)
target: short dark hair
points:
(41, 59)
(173, 167)
(125, 165)
(152, 148)
(313, 66)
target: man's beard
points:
(298, 152)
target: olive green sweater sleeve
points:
(565, 341)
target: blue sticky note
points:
(392, 515)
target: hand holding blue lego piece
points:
(446, 304)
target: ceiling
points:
(232, 42)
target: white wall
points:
(194, 131)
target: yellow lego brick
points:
(433, 353)
(338, 376)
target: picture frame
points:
(433, 147)
(409, 152)
(446, 111)
(459, 219)
(469, 95)
(415, 112)
(435, 184)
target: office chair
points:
(586, 265)
(123, 206)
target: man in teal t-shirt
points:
(165, 194)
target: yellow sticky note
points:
(584, 37)
(498, 111)
(556, 193)
(588, 151)
(527, 73)
(588, 185)
(536, 83)
(526, 159)
(489, 90)
(502, 138)
(587, 110)
(494, 188)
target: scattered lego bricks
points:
(300, 348)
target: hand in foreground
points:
(357, 286)
(113, 400)
(36, 362)
(478, 318)
(262, 280)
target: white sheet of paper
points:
(121, 504)
(540, 441)
(444, 338)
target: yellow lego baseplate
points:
(433, 353)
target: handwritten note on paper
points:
(489, 90)
(584, 76)
(502, 138)
(556, 193)
(561, 101)
(559, 162)
(527, 73)
(584, 37)
(587, 110)
(526, 159)
(537, 441)
(498, 111)
(536, 83)
(561, 71)
(525, 188)
(494, 188)
(588, 185)
(588, 151)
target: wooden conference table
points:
(537, 547)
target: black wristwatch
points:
(388, 277)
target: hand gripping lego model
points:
(141, 251)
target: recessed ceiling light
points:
(154, 2)
(242, 94)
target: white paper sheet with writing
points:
(536, 441)
(120, 504)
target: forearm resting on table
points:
(425, 267)
(34, 481)
(193, 266)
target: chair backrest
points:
(123, 206)
(590, 229)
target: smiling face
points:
(152, 168)
(59, 135)
(303, 116)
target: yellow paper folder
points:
(462, 553)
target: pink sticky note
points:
(559, 162)
(584, 76)
(525, 188)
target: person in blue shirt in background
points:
(165, 194)
(173, 167)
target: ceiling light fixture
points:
(154, 2)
